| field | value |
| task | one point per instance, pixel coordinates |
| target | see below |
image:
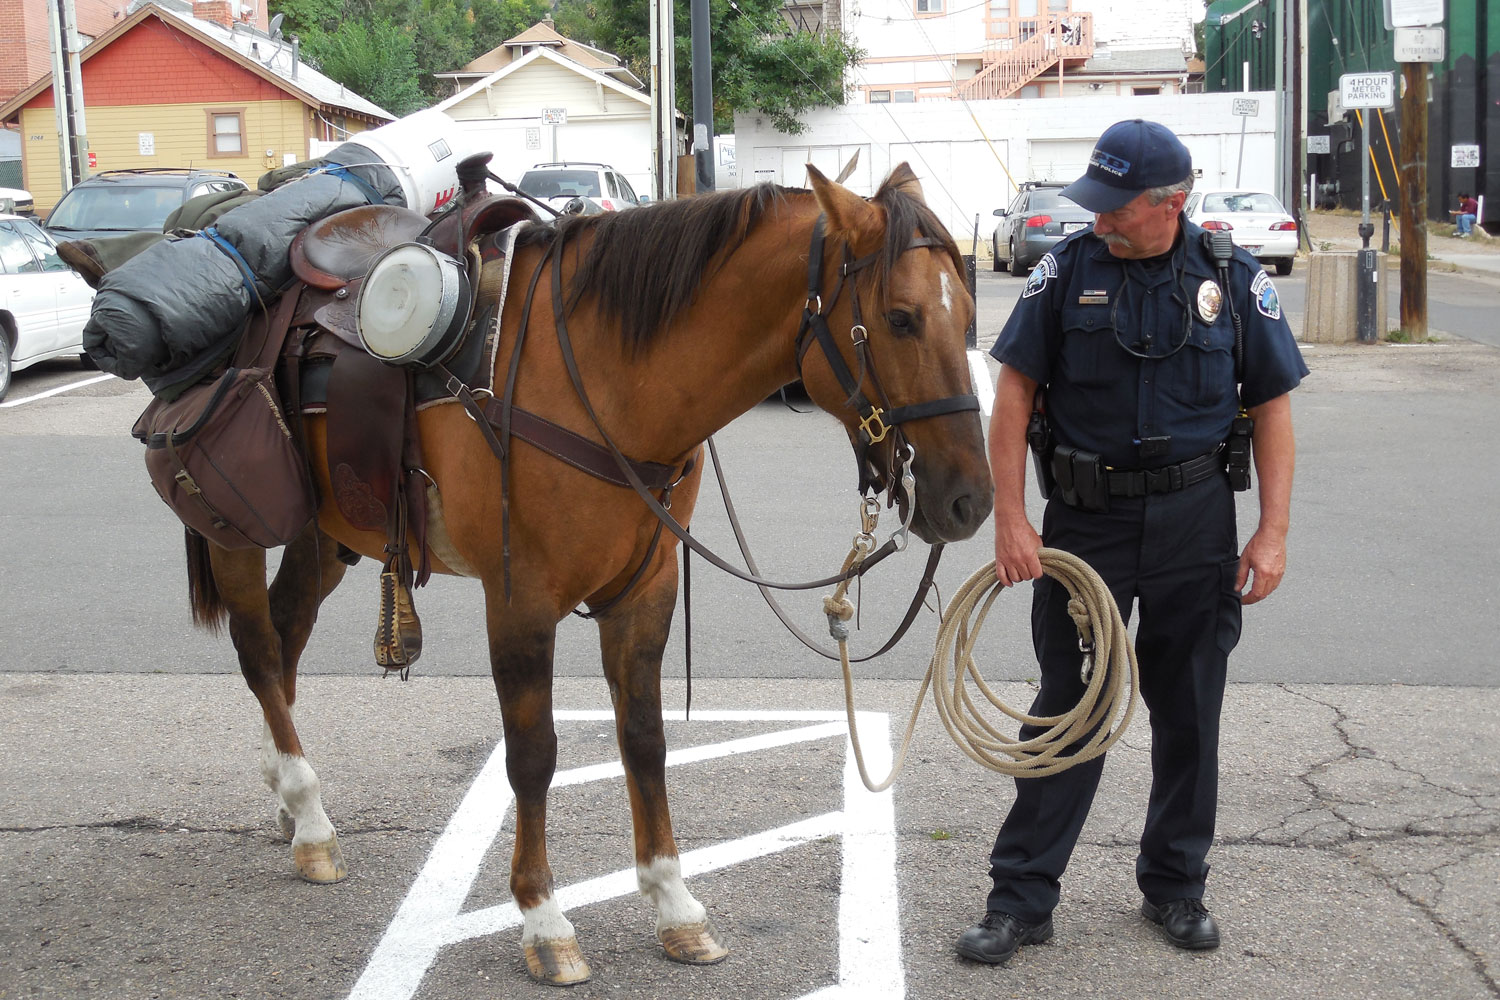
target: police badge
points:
(1210, 301)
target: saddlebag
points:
(223, 456)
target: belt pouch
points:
(1081, 479)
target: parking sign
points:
(1367, 90)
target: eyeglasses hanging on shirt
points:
(1142, 347)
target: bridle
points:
(875, 422)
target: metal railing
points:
(1040, 44)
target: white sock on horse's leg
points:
(545, 922)
(302, 796)
(661, 882)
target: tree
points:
(758, 60)
(375, 59)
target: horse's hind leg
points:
(269, 630)
(632, 638)
(309, 572)
(521, 648)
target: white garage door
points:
(1059, 159)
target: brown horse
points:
(682, 315)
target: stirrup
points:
(398, 631)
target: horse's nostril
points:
(962, 507)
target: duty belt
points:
(1169, 479)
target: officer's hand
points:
(1265, 555)
(1016, 545)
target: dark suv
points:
(1038, 217)
(113, 202)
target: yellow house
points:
(164, 89)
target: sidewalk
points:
(1477, 254)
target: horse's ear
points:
(904, 179)
(847, 212)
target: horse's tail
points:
(209, 611)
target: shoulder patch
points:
(1045, 271)
(1266, 302)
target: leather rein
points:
(876, 423)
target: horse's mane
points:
(643, 290)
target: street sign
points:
(554, 116)
(1367, 90)
(1247, 106)
(1465, 156)
(1318, 144)
(1419, 45)
(533, 137)
(1412, 13)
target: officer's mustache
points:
(1115, 239)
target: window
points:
(999, 8)
(1145, 91)
(42, 247)
(627, 191)
(226, 132)
(15, 256)
(1057, 6)
(929, 6)
(905, 96)
(880, 97)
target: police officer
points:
(1120, 360)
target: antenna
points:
(274, 29)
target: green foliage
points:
(374, 59)
(758, 61)
(388, 50)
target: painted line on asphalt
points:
(430, 918)
(979, 372)
(55, 392)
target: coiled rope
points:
(1090, 727)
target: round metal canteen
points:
(413, 306)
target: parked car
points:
(16, 200)
(559, 183)
(112, 202)
(1255, 220)
(1037, 218)
(43, 303)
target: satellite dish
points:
(275, 29)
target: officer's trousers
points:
(1175, 554)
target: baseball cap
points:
(1129, 158)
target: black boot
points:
(1185, 922)
(997, 937)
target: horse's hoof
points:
(557, 962)
(693, 944)
(286, 823)
(320, 863)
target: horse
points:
(683, 315)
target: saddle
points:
(374, 451)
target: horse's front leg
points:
(240, 577)
(632, 637)
(521, 660)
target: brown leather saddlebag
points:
(222, 455)
(223, 458)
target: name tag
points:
(1094, 297)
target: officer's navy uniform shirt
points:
(1081, 304)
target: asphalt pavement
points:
(1359, 835)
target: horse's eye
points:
(900, 321)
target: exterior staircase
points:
(1043, 43)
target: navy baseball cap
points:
(1129, 158)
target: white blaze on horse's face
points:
(946, 284)
(661, 882)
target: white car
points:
(1255, 220)
(16, 200)
(560, 183)
(43, 303)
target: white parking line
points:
(54, 392)
(869, 952)
(983, 387)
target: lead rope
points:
(1108, 661)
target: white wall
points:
(963, 152)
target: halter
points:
(876, 423)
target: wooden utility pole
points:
(1414, 200)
